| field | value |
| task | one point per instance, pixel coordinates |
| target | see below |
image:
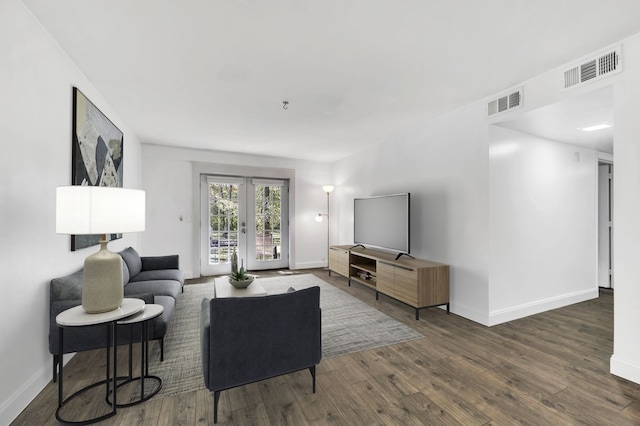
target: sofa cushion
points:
(159, 275)
(160, 262)
(133, 261)
(157, 287)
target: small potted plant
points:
(240, 279)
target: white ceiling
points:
(564, 120)
(213, 74)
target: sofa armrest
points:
(205, 324)
(60, 306)
(66, 288)
(151, 263)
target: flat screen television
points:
(383, 222)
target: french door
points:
(245, 216)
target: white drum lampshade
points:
(90, 210)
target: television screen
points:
(382, 222)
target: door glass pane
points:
(268, 212)
(223, 222)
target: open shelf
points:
(363, 270)
(366, 268)
(368, 283)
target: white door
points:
(221, 216)
(245, 216)
(268, 224)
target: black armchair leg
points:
(161, 349)
(313, 375)
(216, 398)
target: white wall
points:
(626, 192)
(546, 89)
(445, 167)
(543, 225)
(36, 80)
(170, 178)
(443, 163)
(455, 230)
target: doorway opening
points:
(605, 224)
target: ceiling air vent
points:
(594, 68)
(505, 102)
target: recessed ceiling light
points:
(596, 127)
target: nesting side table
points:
(150, 312)
(77, 317)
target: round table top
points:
(150, 311)
(77, 317)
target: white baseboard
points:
(308, 265)
(22, 397)
(527, 309)
(625, 369)
(469, 314)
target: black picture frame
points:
(97, 155)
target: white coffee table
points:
(223, 289)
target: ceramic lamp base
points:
(102, 289)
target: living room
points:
(450, 169)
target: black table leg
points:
(107, 381)
(144, 369)
(60, 355)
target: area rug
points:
(348, 325)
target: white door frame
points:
(199, 168)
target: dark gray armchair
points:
(245, 340)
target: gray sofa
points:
(247, 339)
(156, 280)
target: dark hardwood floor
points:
(547, 369)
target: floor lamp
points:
(327, 189)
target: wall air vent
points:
(594, 68)
(505, 102)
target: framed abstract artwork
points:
(96, 155)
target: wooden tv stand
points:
(417, 283)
